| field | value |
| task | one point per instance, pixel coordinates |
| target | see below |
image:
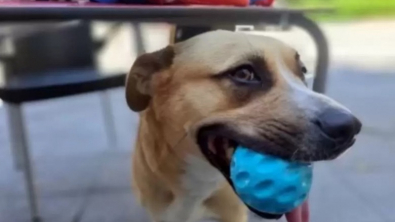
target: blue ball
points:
(269, 184)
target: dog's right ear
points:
(138, 81)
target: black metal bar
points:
(171, 14)
(312, 28)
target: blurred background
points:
(82, 175)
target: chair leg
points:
(14, 133)
(139, 38)
(21, 155)
(109, 119)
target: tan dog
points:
(213, 92)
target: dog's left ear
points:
(138, 81)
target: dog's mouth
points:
(221, 140)
(218, 144)
(221, 148)
(218, 149)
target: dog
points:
(214, 92)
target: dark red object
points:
(201, 2)
(264, 2)
(120, 3)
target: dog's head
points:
(228, 88)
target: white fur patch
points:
(304, 97)
(200, 172)
(199, 181)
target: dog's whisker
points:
(294, 154)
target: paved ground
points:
(82, 179)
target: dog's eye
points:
(304, 69)
(244, 75)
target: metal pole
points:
(139, 39)
(22, 154)
(14, 135)
(108, 118)
(319, 84)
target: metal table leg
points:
(15, 142)
(21, 151)
(139, 38)
(322, 50)
(109, 121)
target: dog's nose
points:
(338, 124)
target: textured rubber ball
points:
(269, 184)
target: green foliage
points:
(351, 9)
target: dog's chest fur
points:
(200, 178)
(199, 182)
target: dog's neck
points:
(172, 148)
(172, 135)
(166, 145)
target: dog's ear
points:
(138, 81)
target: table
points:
(218, 16)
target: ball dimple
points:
(289, 190)
(264, 189)
(264, 185)
(287, 195)
(242, 179)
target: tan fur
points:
(184, 96)
(177, 93)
